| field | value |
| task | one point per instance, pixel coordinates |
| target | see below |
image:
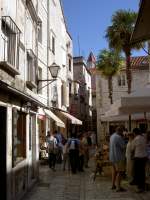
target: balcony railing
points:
(10, 39)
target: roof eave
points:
(140, 38)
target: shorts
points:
(120, 166)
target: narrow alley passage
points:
(62, 185)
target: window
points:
(10, 42)
(63, 94)
(54, 94)
(53, 44)
(32, 142)
(70, 64)
(18, 136)
(76, 89)
(70, 88)
(40, 82)
(40, 33)
(121, 80)
(31, 69)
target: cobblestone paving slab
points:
(61, 185)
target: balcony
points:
(10, 39)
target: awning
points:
(125, 117)
(142, 28)
(136, 102)
(51, 115)
(73, 119)
(19, 94)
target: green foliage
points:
(109, 62)
(119, 33)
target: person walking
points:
(52, 150)
(86, 149)
(93, 138)
(73, 146)
(65, 156)
(140, 158)
(129, 157)
(117, 158)
(59, 137)
(81, 154)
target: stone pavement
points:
(62, 185)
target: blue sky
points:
(87, 21)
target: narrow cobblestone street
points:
(62, 185)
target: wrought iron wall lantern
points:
(26, 107)
(54, 69)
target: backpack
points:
(64, 141)
(73, 144)
(51, 145)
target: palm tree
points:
(119, 34)
(108, 63)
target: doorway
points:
(143, 127)
(3, 177)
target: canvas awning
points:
(51, 115)
(73, 119)
(58, 121)
(136, 102)
(125, 117)
(142, 27)
(19, 94)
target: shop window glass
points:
(18, 136)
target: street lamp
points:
(26, 106)
(54, 69)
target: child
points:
(98, 163)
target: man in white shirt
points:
(140, 157)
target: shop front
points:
(19, 141)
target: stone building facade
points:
(91, 65)
(81, 106)
(33, 36)
(140, 77)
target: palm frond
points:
(108, 62)
(119, 33)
